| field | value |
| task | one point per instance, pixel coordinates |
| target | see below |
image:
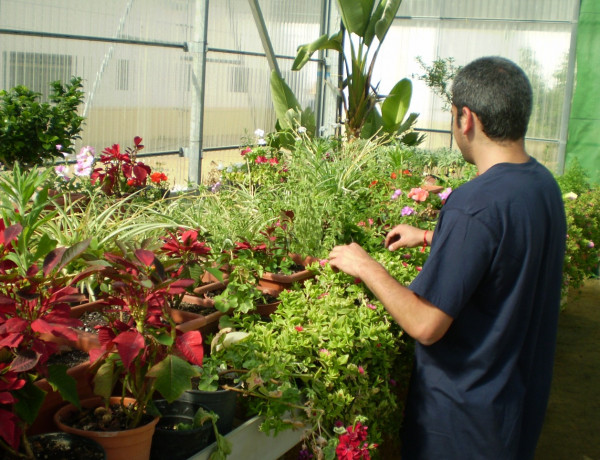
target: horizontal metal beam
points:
(124, 41)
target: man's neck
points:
(493, 153)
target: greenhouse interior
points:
(256, 229)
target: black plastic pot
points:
(171, 444)
(221, 402)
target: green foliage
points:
(582, 208)
(30, 130)
(329, 353)
(367, 113)
(438, 76)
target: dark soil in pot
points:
(65, 446)
(111, 418)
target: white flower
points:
(570, 196)
(301, 130)
(262, 142)
(220, 167)
(259, 133)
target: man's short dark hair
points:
(499, 92)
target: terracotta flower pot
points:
(276, 281)
(133, 444)
(44, 422)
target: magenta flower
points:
(299, 328)
(246, 151)
(591, 244)
(396, 194)
(361, 370)
(407, 211)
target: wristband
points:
(424, 241)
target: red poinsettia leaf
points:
(190, 346)
(14, 325)
(28, 294)
(137, 140)
(7, 305)
(144, 256)
(6, 397)
(42, 326)
(10, 233)
(129, 344)
(105, 336)
(141, 171)
(25, 361)
(52, 259)
(9, 429)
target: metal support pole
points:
(264, 35)
(568, 99)
(197, 49)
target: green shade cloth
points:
(583, 143)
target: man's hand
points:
(350, 259)
(404, 236)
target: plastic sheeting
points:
(583, 142)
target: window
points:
(36, 70)
(122, 75)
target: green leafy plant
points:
(366, 24)
(32, 132)
(438, 76)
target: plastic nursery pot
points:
(132, 444)
(66, 446)
(222, 402)
(178, 444)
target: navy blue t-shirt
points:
(495, 266)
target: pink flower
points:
(361, 223)
(371, 306)
(324, 351)
(323, 262)
(591, 244)
(396, 194)
(418, 194)
(274, 161)
(419, 268)
(445, 194)
(299, 328)
(370, 221)
(361, 370)
(261, 159)
(246, 151)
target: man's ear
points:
(467, 122)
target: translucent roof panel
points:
(150, 20)
(517, 10)
(289, 25)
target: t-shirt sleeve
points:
(461, 253)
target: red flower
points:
(393, 175)
(158, 177)
(299, 328)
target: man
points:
(484, 308)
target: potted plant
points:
(142, 352)
(35, 298)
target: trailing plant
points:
(329, 354)
(34, 132)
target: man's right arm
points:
(407, 236)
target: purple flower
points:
(407, 211)
(591, 244)
(396, 194)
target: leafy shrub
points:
(30, 130)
